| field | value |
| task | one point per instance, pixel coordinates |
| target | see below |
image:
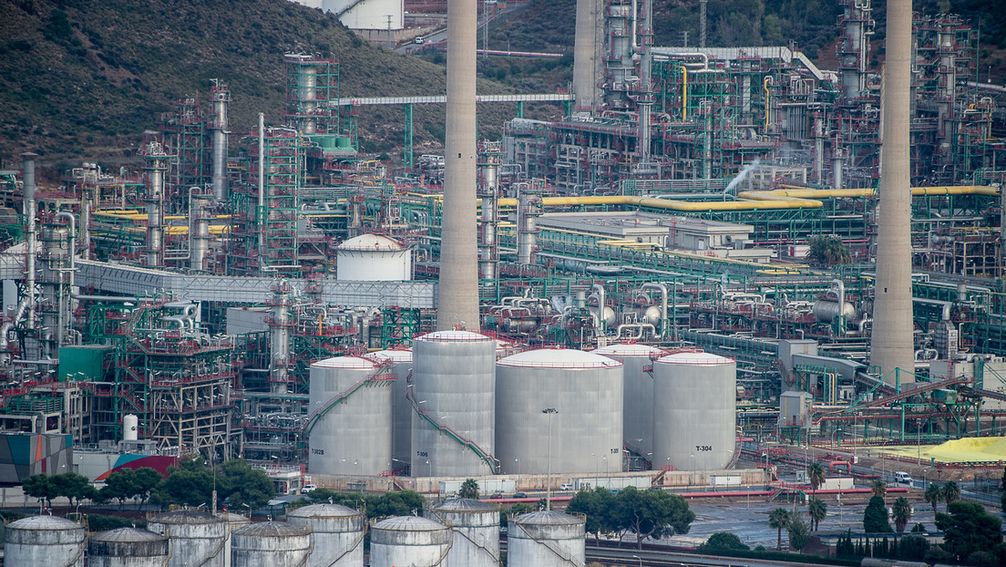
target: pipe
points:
(662, 288)
(645, 100)
(684, 93)
(641, 327)
(261, 190)
(766, 83)
(840, 286)
(31, 237)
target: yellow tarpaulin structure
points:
(970, 450)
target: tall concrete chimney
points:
(891, 343)
(588, 46)
(459, 293)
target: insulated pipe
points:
(891, 341)
(458, 301)
(662, 288)
(840, 286)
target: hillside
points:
(85, 78)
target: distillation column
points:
(221, 99)
(199, 233)
(458, 292)
(279, 339)
(489, 192)
(156, 166)
(646, 98)
(891, 343)
(588, 47)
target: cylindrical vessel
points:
(271, 544)
(234, 523)
(127, 547)
(454, 377)
(400, 362)
(409, 540)
(194, 538)
(351, 399)
(130, 427)
(546, 539)
(476, 527)
(373, 257)
(637, 400)
(337, 533)
(45, 541)
(694, 411)
(585, 433)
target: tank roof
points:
(409, 523)
(344, 362)
(45, 523)
(184, 517)
(323, 511)
(127, 535)
(452, 336)
(626, 349)
(465, 505)
(394, 355)
(695, 358)
(371, 242)
(562, 358)
(544, 518)
(272, 529)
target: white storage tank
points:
(44, 540)
(130, 427)
(373, 257)
(351, 400)
(476, 527)
(409, 540)
(194, 537)
(454, 379)
(586, 391)
(546, 539)
(694, 411)
(127, 547)
(270, 544)
(400, 361)
(337, 533)
(234, 523)
(637, 401)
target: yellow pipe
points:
(768, 97)
(684, 93)
(797, 191)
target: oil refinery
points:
(711, 257)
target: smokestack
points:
(31, 238)
(891, 344)
(587, 48)
(459, 293)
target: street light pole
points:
(548, 477)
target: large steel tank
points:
(586, 432)
(194, 538)
(476, 527)
(127, 547)
(337, 533)
(546, 539)
(352, 434)
(271, 544)
(637, 400)
(454, 380)
(694, 411)
(409, 540)
(44, 540)
(234, 523)
(400, 362)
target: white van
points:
(901, 477)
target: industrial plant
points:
(709, 256)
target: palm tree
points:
(816, 475)
(779, 519)
(879, 488)
(934, 493)
(818, 510)
(951, 492)
(902, 514)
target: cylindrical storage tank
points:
(694, 411)
(234, 523)
(44, 540)
(270, 544)
(454, 380)
(409, 540)
(546, 539)
(584, 388)
(826, 311)
(127, 547)
(337, 532)
(476, 527)
(194, 538)
(352, 435)
(130, 427)
(373, 257)
(400, 362)
(637, 400)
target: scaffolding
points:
(186, 132)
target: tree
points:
(875, 517)
(816, 475)
(826, 250)
(145, 481)
(951, 492)
(799, 533)
(469, 489)
(41, 487)
(913, 548)
(983, 559)
(879, 488)
(818, 511)
(934, 494)
(596, 506)
(651, 514)
(968, 528)
(73, 486)
(722, 541)
(120, 485)
(190, 484)
(240, 484)
(902, 514)
(779, 519)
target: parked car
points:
(902, 477)
(520, 494)
(566, 487)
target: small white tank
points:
(546, 539)
(476, 527)
(271, 544)
(127, 547)
(373, 257)
(130, 427)
(409, 540)
(46, 541)
(337, 533)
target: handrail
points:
(315, 416)
(544, 543)
(482, 454)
